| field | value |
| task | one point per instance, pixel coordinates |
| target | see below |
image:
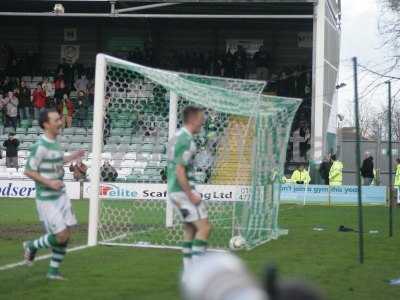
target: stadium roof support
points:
(155, 16)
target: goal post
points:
(238, 166)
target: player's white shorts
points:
(189, 212)
(56, 215)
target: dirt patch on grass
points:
(27, 231)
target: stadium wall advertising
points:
(290, 193)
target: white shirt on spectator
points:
(48, 88)
(81, 84)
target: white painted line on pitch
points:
(22, 263)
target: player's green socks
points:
(198, 248)
(56, 259)
(46, 241)
(187, 253)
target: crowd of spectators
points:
(19, 102)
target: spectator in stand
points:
(2, 109)
(241, 62)
(78, 170)
(11, 105)
(108, 172)
(39, 101)
(229, 64)
(324, 169)
(262, 60)
(367, 169)
(91, 92)
(48, 87)
(66, 110)
(11, 146)
(59, 89)
(81, 85)
(81, 108)
(25, 102)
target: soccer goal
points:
(241, 154)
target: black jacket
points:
(367, 168)
(324, 169)
(11, 147)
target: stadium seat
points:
(74, 146)
(25, 145)
(20, 130)
(159, 149)
(114, 140)
(78, 139)
(117, 131)
(33, 130)
(106, 155)
(35, 123)
(8, 130)
(130, 156)
(147, 148)
(68, 131)
(123, 148)
(110, 148)
(20, 137)
(80, 131)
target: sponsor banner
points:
(323, 194)
(26, 189)
(132, 191)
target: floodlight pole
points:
(358, 166)
(390, 158)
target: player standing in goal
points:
(46, 167)
(181, 190)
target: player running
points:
(46, 167)
(181, 190)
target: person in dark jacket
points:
(324, 169)
(25, 102)
(108, 172)
(367, 169)
(11, 146)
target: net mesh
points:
(241, 153)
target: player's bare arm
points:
(53, 184)
(74, 156)
(184, 183)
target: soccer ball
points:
(237, 243)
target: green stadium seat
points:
(147, 148)
(114, 140)
(68, 131)
(21, 130)
(80, 131)
(32, 130)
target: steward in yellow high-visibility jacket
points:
(397, 177)
(301, 176)
(336, 172)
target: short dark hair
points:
(333, 156)
(398, 160)
(190, 111)
(44, 116)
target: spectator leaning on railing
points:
(78, 170)
(11, 146)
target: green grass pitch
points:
(328, 258)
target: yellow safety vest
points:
(397, 177)
(301, 176)
(335, 173)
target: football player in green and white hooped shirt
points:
(181, 189)
(45, 166)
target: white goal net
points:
(241, 152)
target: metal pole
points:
(390, 158)
(143, 7)
(358, 167)
(155, 16)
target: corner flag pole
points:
(390, 158)
(358, 166)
